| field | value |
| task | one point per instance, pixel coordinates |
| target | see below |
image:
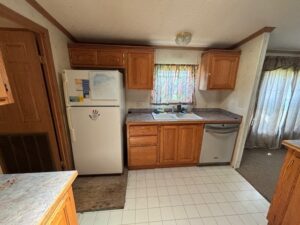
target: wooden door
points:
(223, 71)
(284, 189)
(30, 114)
(188, 144)
(140, 66)
(83, 57)
(168, 144)
(111, 57)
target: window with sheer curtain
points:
(173, 84)
(277, 115)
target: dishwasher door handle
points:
(221, 131)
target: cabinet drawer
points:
(142, 156)
(142, 130)
(143, 141)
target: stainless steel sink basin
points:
(175, 116)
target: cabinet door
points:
(292, 213)
(142, 156)
(5, 91)
(223, 71)
(284, 189)
(111, 58)
(140, 64)
(82, 57)
(188, 144)
(65, 213)
(168, 144)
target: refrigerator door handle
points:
(65, 86)
(72, 130)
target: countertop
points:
(27, 198)
(212, 115)
(295, 144)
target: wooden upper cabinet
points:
(5, 90)
(189, 138)
(168, 145)
(111, 57)
(137, 61)
(83, 57)
(218, 69)
(140, 66)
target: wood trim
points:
(51, 82)
(50, 18)
(112, 45)
(252, 36)
(291, 52)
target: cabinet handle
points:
(2, 99)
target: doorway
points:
(27, 135)
(57, 154)
(276, 118)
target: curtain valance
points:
(281, 62)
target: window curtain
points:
(277, 114)
(173, 84)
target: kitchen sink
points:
(175, 116)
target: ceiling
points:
(213, 23)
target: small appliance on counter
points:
(218, 143)
(95, 112)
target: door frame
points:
(56, 106)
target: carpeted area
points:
(93, 193)
(262, 170)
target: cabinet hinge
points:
(62, 164)
(41, 59)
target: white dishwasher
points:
(218, 143)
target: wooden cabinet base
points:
(168, 145)
(284, 209)
(63, 212)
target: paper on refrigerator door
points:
(103, 86)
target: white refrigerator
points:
(95, 112)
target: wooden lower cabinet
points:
(65, 212)
(189, 139)
(180, 144)
(285, 205)
(168, 145)
(163, 145)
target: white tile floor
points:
(185, 196)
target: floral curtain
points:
(173, 84)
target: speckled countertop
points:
(211, 115)
(26, 198)
(295, 144)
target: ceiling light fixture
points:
(183, 38)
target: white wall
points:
(204, 99)
(242, 99)
(58, 40)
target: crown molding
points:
(252, 36)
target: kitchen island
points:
(37, 198)
(284, 209)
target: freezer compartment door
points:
(96, 134)
(92, 87)
(218, 143)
